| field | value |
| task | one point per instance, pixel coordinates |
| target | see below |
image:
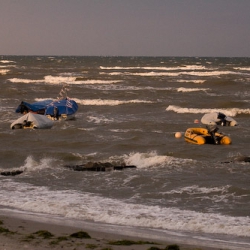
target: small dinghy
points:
(218, 118)
(206, 136)
(32, 121)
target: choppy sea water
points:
(129, 111)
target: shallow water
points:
(129, 111)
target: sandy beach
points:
(23, 233)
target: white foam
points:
(152, 159)
(101, 102)
(190, 73)
(4, 71)
(194, 81)
(187, 67)
(31, 165)
(181, 89)
(228, 111)
(85, 206)
(16, 80)
(97, 120)
(214, 194)
(242, 68)
(7, 61)
(91, 82)
(59, 79)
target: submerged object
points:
(11, 173)
(238, 159)
(32, 120)
(64, 109)
(218, 118)
(99, 166)
(206, 136)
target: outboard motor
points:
(212, 129)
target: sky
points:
(215, 28)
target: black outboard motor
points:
(212, 129)
(223, 121)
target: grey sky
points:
(125, 27)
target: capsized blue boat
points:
(63, 109)
(36, 107)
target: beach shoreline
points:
(19, 231)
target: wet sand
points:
(25, 234)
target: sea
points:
(130, 109)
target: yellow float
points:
(206, 136)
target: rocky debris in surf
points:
(98, 166)
(90, 166)
(239, 159)
(11, 173)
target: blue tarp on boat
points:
(37, 107)
(66, 107)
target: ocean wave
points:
(32, 165)
(6, 61)
(186, 67)
(194, 81)
(190, 73)
(58, 80)
(228, 111)
(4, 71)
(19, 80)
(97, 120)
(85, 206)
(215, 194)
(91, 82)
(152, 159)
(242, 68)
(101, 102)
(181, 89)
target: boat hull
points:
(202, 136)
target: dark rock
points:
(242, 158)
(239, 159)
(12, 173)
(98, 166)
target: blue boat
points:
(63, 109)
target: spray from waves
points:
(100, 102)
(153, 160)
(32, 165)
(85, 206)
(98, 120)
(228, 112)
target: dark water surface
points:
(129, 111)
